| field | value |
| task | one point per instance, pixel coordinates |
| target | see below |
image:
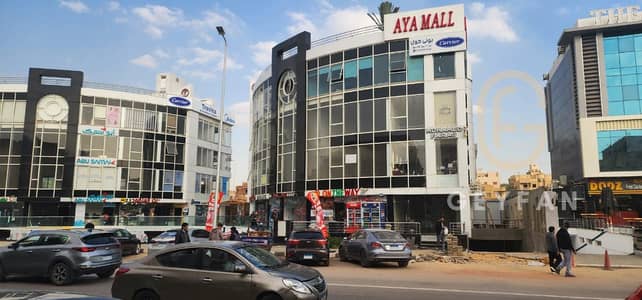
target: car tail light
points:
(407, 245)
(323, 243)
(375, 245)
(292, 243)
(85, 249)
(121, 271)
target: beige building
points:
(490, 185)
(534, 178)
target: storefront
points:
(628, 197)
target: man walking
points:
(554, 256)
(217, 233)
(566, 247)
(182, 236)
(442, 230)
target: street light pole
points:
(221, 32)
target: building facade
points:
(379, 122)
(594, 108)
(80, 150)
(490, 185)
(534, 178)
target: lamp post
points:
(221, 32)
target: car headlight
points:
(296, 286)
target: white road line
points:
(468, 291)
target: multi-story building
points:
(378, 120)
(594, 107)
(79, 149)
(534, 178)
(490, 185)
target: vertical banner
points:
(209, 221)
(113, 116)
(314, 199)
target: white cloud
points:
(241, 113)
(75, 6)
(200, 56)
(262, 54)
(490, 22)
(160, 53)
(231, 64)
(300, 22)
(333, 21)
(474, 58)
(113, 6)
(156, 17)
(146, 60)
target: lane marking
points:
(467, 291)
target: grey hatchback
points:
(219, 269)
(375, 245)
(61, 255)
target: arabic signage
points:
(618, 186)
(444, 133)
(610, 16)
(95, 130)
(139, 200)
(438, 43)
(96, 162)
(8, 199)
(427, 21)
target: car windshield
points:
(307, 235)
(387, 235)
(167, 234)
(259, 257)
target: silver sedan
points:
(369, 246)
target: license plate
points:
(308, 256)
(393, 247)
(104, 258)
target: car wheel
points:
(403, 264)
(342, 254)
(105, 274)
(270, 297)
(146, 295)
(363, 259)
(61, 274)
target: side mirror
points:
(240, 268)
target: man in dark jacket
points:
(182, 236)
(565, 245)
(441, 236)
(554, 257)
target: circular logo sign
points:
(287, 87)
(178, 101)
(185, 92)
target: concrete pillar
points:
(79, 217)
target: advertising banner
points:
(314, 199)
(96, 162)
(424, 22)
(437, 43)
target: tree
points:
(386, 7)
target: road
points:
(430, 281)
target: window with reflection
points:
(445, 110)
(365, 72)
(446, 156)
(620, 150)
(444, 65)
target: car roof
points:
(377, 230)
(218, 244)
(78, 232)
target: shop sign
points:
(327, 213)
(618, 186)
(433, 20)
(338, 193)
(229, 119)
(262, 196)
(94, 198)
(8, 199)
(100, 131)
(315, 201)
(283, 195)
(444, 133)
(139, 200)
(180, 101)
(209, 110)
(438, 43)
(96, 162)
(609, 16)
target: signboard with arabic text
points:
(437, 43)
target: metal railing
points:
(600, 224)
(13, 80)
(345, 35)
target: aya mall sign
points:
(426, 21)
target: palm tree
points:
(386, 7)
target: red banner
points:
(209, 221)
(314, 199)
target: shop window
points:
(417, 157)
(324, 82)
(365, 160)
(399, 158)
(365, 72)
(398, 117)
(350, 159)
(381, 72)
(350, 74)
(350, 117)
(444, 65)
(312, 83)
(415, 68)
(365, 116)
(445, 110)
(446, 155)
(416, 111)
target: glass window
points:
(398, 112)
(417, 157)
(311, 165)
(324, 163)
(33, 240)
(350, 161)
(415, 68)
(381, 72)
(350, 118)
(444, 65)
(380, 117)
(399, 158)
(336, 160)
(365, 72)
(446, 154)
(87, 114)
(350, 74)
(365, 116)
(99, 115)
(337, 120)
(620, 150)
(219, 261)
(336, 72)
(397, 61)
(381, 160)
(5, 141)
(185, 259)
(365, 160)
(623, 61)
(324, 82)
(324, 120)
(312, 121)
(416, 111)
(445, 109)
(312, 83)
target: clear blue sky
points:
(128, 42)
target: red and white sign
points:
(314, 199)
(422, 22)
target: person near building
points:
(565, 245)
(234, 234)
(441, 231)
(182, 236)
(554, 257)
(90, 226)
(217, 233)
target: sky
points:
(511, 45)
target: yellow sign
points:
(619, 187)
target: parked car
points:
(308, 246)
(375, 245)
(61, 255)
(225, 270)
(166, 239)
(129, 243)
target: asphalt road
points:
(429, 281)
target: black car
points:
(308, 246)
(130, 244)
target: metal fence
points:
(600, 224)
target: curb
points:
(612, 266)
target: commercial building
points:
(594, 109)
(490, 185)
(78, 149)
(534, 178)
(377, 120)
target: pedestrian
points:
(441, 231)
(234, 234)
(182, 236)
(554, 257)
(89, 226)
(217, 233)
(565, 245)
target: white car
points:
(167, 238)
